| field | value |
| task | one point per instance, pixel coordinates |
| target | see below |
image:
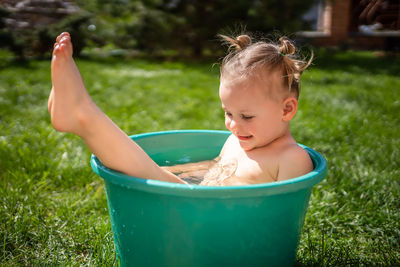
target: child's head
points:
(250, 61)
(260, 85)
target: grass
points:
(53, 209)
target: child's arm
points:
(188, 167)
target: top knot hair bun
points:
(239, 43)
(243, 41)
(286, 47)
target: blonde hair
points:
(245, 58)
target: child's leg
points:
(72, 110)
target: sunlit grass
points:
(54, 209)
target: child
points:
(259, 90)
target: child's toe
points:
(56, 48)
(65, 40)
(63, 47)
(62, 35)
(59, 38)
(59, 50)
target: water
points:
(216, 173)
(191, 179)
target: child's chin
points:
(246, 147)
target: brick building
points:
(365, 24)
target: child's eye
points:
(247, 117)
(228, 114)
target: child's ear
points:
(289, 108)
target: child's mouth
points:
(244, 138)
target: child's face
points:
(253, 116)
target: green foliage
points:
(38, 41)
(200, 21)
(7, 38)
(76, 25)
(54, 208)
(187, 26)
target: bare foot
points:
(69, 103)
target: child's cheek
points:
(251, 128)
(227, 123)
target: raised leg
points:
(72, 110)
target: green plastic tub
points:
(159, 223)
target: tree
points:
(195, 23)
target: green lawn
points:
(53, 208)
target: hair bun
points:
(239, 43)
(286, 47)
(243, 41)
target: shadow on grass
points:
(14, 63)
(365, 62)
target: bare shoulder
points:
(229, 144)
(293, 161)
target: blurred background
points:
(189, 28)
(150, 66)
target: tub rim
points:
(306, 181)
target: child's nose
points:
(233, 124)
